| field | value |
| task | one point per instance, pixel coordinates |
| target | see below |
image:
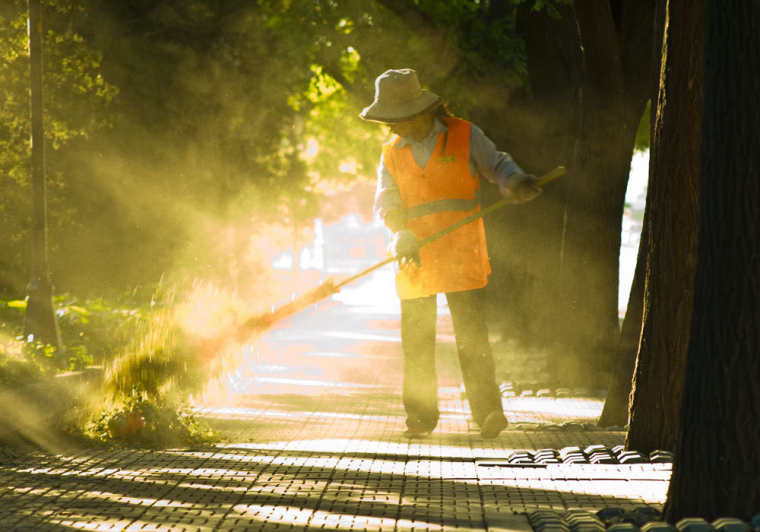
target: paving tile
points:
(307, 458)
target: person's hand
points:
(521, 189)
(395, 220)
(405, 247)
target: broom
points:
(164, 352)
(260, 323)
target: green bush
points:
(20, 362)
(148, 423)
(92, 331)
(14, 371)
(152, 364)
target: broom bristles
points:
(261, 322)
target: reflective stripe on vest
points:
(442, 205)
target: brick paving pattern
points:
(313, 441)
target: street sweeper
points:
(428, 179)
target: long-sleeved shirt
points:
(485, 160)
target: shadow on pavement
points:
(239, 486)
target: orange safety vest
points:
(436, 197)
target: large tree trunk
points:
(672, 234)
(616, 88)
(556, 259)
(617, 404)
(541, 131)
(717, 455)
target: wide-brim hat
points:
(398, 97)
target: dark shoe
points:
(493, 424)
(417, 429)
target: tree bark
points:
(717, 463)
(615, 411)
(541, 129)
(618, 400)
(672, 204)
(614, 97)
(552, 253)
(40, 320)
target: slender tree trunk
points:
(618, 400)
(672, 233)
(615, 410)
(40, 321)
(717, 455)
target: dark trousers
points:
(420, 394)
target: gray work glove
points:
(405, 247)
(521, 188)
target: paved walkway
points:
(312, 441)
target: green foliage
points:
(484, 40)
(643, 132)
(153, 424)
(172, 345)
(22, 360)
(76, 100)
(171, 124)
(92, 332)
(45, 356)
(154, 364)
(16, 370)
(551, 7)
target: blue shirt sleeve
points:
(498, 167)
(387, 195)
